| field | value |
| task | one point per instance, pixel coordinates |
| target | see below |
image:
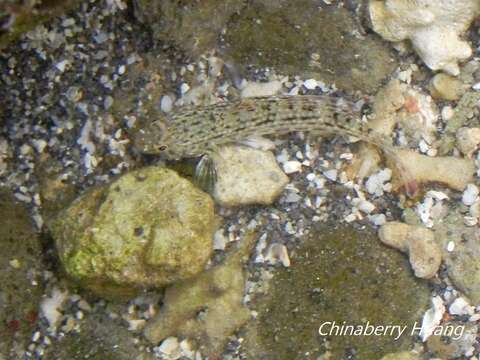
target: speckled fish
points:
(198, 131)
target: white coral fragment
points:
(432, 318)
(434, 28)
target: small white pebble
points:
(292, 166)
(310, 84)
(377, 219)
(474, 318)
(184, 88)
(447, 113)
(351, 217)
(166, 103)
(170, 346)
(461, 307)
(470, 195)
(366, 206)
(331, 174)
(219, 240)
(121, 70)
(450, 246)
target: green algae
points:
(337, 275)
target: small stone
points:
(461, 307)
(292, 166)
(470, 195)
(14, 263)
(219, 240)
(366, 206)
(184, 88)
(468, 140)
(253, 89)
(247, 176)
(170, 347)
(446, 87)
(52, 305)
(424, 253)
(331, 174)
(278, 253)
(166, 104)
(432, 318)
(310, 84)
(450, 246)
(149, 227)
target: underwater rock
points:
(337, 274)
(18, 16)
(463, 266)
(418, 242)
(433, 27)
(311, 39)
(404, 355)
(468, 140)
(451, 171)
(446, 87)
(454, 343)
(207, 308)
(20, 273)
(148, 228)
(192, 26)
(247, 176)
(464, 115)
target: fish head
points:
(153, 138)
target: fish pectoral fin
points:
(206, 174)
(258, 142)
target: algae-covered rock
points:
(20, 270)
(208, 307)
(100, 338)
(403, 355)
(149, 227)
(344, 276)
(17, 16)
(457, 340)
(193, 26)
(463, 265)
(308, 39)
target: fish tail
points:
(407, 180)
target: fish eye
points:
(162, 148)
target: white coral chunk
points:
(434, 28)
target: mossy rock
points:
(337, 275)
(301, 38)
(148, 228)
(20, 271)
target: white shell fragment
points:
(278, 253)
(460, 306)
(52, 305)
(432, 318)
(292, 166)
(470, 195)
